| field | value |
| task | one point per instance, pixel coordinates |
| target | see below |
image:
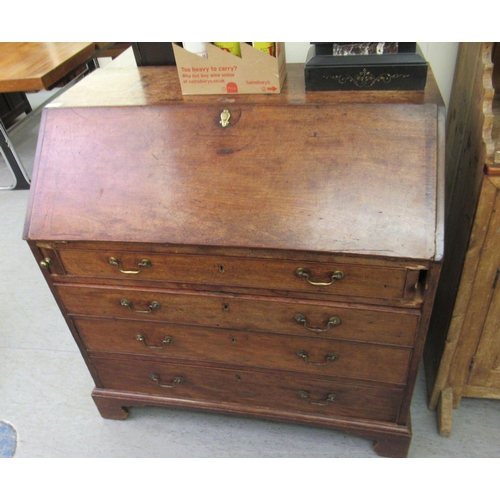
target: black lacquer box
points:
(398, 69)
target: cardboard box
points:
(224, 73)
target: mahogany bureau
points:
(282, 265)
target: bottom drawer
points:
(276, 390)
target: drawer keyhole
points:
(225, 307)
(221, 268)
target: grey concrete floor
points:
(45, 387)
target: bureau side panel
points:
(39, 256)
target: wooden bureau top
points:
(124, 157)
(151, 85)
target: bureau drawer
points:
(283, 352)
(299, 317)
(299, 276)
(278, 391)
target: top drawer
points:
(302, 276)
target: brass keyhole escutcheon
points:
(225, 116)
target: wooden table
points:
(31, 67)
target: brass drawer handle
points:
(329, 399)
(304, 273)
(225, 116)
(151, 307)
(305, 357)
(143, 264)
(45, 263)
(156, 378)
(164, 342)
(302, 320)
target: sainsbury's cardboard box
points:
(255, 72)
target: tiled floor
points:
(45, 386)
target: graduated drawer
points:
(288, 392)
(299, 317)
(283, 352)
(300, 276)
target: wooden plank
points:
(466, 287)
(464, 172)
(445, 412)
(486, 356)
(471, 391)
(493, 383)
(482, 262)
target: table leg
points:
(21, 178)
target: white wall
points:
(441, 56)
(296, 52)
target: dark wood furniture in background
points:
(12, 105)
(463, 352)
(281, 267)
(112, 49)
